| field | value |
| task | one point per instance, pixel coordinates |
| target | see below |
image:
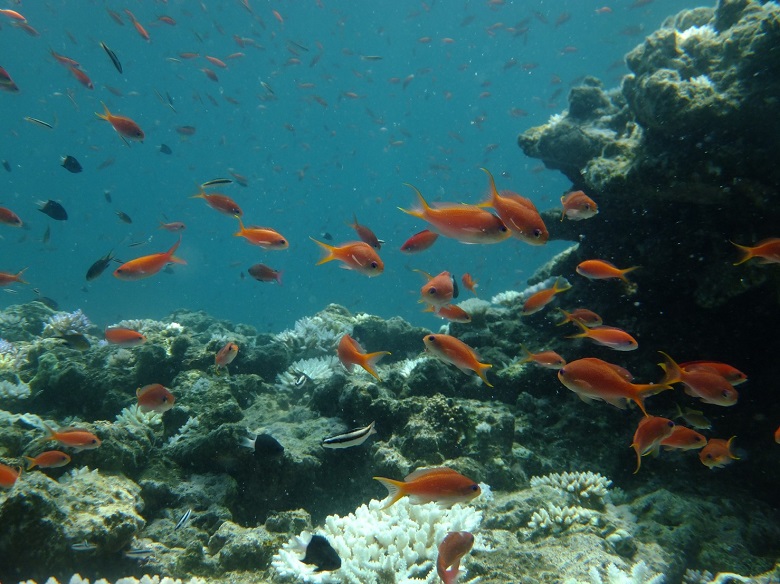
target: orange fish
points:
(48, 459)
(706, 384)
(469, 283)
(124, 337)
(355, 255)
(578, 206)
(9, 476)
(350, 353)
(441, 484)
(717, 453)
(6, 278)
(649, 434)
(439, 290)
(466, 223)
(420, 241)
(546, 359)
(73, 437)
(63, 60)
(81, 77)
(12, 14)
(9, 217)
(365, 234)
(221, 203)
(154, 398)
(518, 214)
(767, 251)
(141, 30)
(225, 355)
(594, 379)
(451, 350)
(453, 547)
(218, 62)
(731, 374)
(607, 336)
(601, 270)
(6, 83)
(451, 312)
(582, 315)
(264, 237)
(148, 265)
(125, 127)
(683, 438)
(777, 435)
(540, 299)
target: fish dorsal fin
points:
(425, 472)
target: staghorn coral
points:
(639, 574)
(557, 519)
(61, 323)
(587, 487)
(14, 391)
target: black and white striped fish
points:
(354, 437)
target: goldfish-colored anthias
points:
(355, 255)
(438, 290)
(717, 453)
(9, 476)
(766, 251)
(650, 432)
(602, 270)
(546, 359)
(539, 300)
(441, 484)
(350, 353)
(74, 438)
(48, 459)
(606, 336)
(264, 237)
(451, 350)
(706, 384)
(453, 547)
(683, 438)
(226, 355)
(581, 315)
(420, 241)
(154, 398)
(125, 127)
(149, 265)
(578, 206)
(221, 203)
(518, 214)
(124, 337)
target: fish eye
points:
(474, 487)
(503, 229)
(726, 393)
(537, 232)
(708, 456)
(374, 265)
(432, 338)
(432, 291)
(94, 441)
(670, 424)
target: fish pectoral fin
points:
(618, 402)
(587, 399)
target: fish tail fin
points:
(728, 446)
(172, 258)
(528, 355)
(200, 195)
(30, 462)
(106, 115)
(566, 317)
(395, 490)
(638, 458)
(627, 271)
(557, 289)
(328, 248)
(672, 371)
(493, 195)
(644, 390)
(584, 331)
(19, 276)
(480, 370)
(369, 359)
(241, 229)
(420, 214)
(279, 277)
(747, 253)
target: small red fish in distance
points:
(263, 273)
(420, 241)
(441, 484)
(453, 547)
(9, 476)
(124, 337)
(155, 398)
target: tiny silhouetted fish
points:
(455, 290)
(327, 236)
(123, 217)
(183, 521)
(75, 341)
(45, 300)
(107, 196)
(99, 266)
(6, 165)
(267, 445)
(320, 553)
(54, 210)
(47, 235)
(165, 149)
(112, 56)
(71, 164)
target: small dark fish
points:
(38, 122)
(107, 196)
(6, 166)
(47, 235)
(186, 130)
(354, 437)
(84, 546)
(183, 521)
(99, 266)
(263, 445)
(75, 341)
(165, 149)
(267, 88)
(54, 210)
(139, 243)
(112, 56)
(455, 290)
(124, 217)
(215, 182)
(371, 57)
(106, 163)
(326, 236)
(320, 553)
(70, 164)
(51, 303)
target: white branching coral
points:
(315, 369)
(557, 519)
(505, 298)
(133, 416)
(314, 335)
(406, 366)
(146, 579)
(398, 544)
(639, 574)
(697, 33)
(14, 391)
(61, 323)
(189, 428)
(587, 487)
(474, 306)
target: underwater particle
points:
(54, 210)
(321, 554)
(99, 266)
(263, 273)
(165, 149)
(451, 350)
(350, 353)
(717, 453)
(9, 476)
(70, 164)
(48, 459)
(263, 444)
(155, 398)
(354, 437)
(75, 341)
(452, 548)
(441, 484)
(578, 206)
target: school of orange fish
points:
(592, 379)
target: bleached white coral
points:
(557, 519)
(316, 334)
(588, 487)
(640, 574)
(315, 369)
(61, 323)
(135, 417)
(407, 366)
(474, 306)
(398, 544)
(697, 33)
(556, 119)
(146, 579)
(701, 81)
(189, 427)
(14, 391)
(505, 298)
